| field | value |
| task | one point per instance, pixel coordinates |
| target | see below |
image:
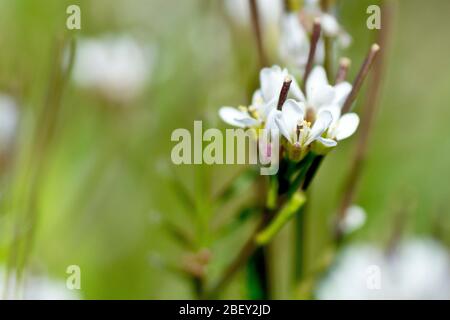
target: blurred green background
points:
(106, 191)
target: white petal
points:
(283, 129)
(293, 35)
(257, 98)
(295, 91)
(274, 122)
(270, 123)
(330, 25)
(335, 113)
(322, 123)
(265, 108)
(347, 125)
(341, 92)
(271, 82)
(317, 78)
(236, 118)
(321, 96)
(320, 52)
(294, 42)
(327, 142)
(248, 122)
(292, 112)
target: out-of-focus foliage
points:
(105, 193)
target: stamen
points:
(284, 92)
(253, 111)
(360, 77)
(296, 151)
(299, 129)
(312, 50)
(344, 66)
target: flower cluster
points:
(294, 45)
(306, 122)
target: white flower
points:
(8, 120)
(116, 66)
(328, 22)
(293, 126)
(294, 43)
(269, 12)
(264, 99)
(38, 288)
(355, 217)
(417, 269)
(321, 96)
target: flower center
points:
(251, 110)
(301, 126)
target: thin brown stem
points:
(344, 66)
(247, 250)
(328, 43)
(374, 49)
(284, 92)
(328, 62)
(258, 34)
(367, 120)
(312, 50)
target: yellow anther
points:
(252, 110)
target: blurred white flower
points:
(116, 66)
(9, 116)
(39, 288)
(294, 43)
(416, 269)
(329, 23)
(269, 12)
(355, 217)
(294, 40)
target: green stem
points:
(299, 241)
(286, 213)
(45, 132)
